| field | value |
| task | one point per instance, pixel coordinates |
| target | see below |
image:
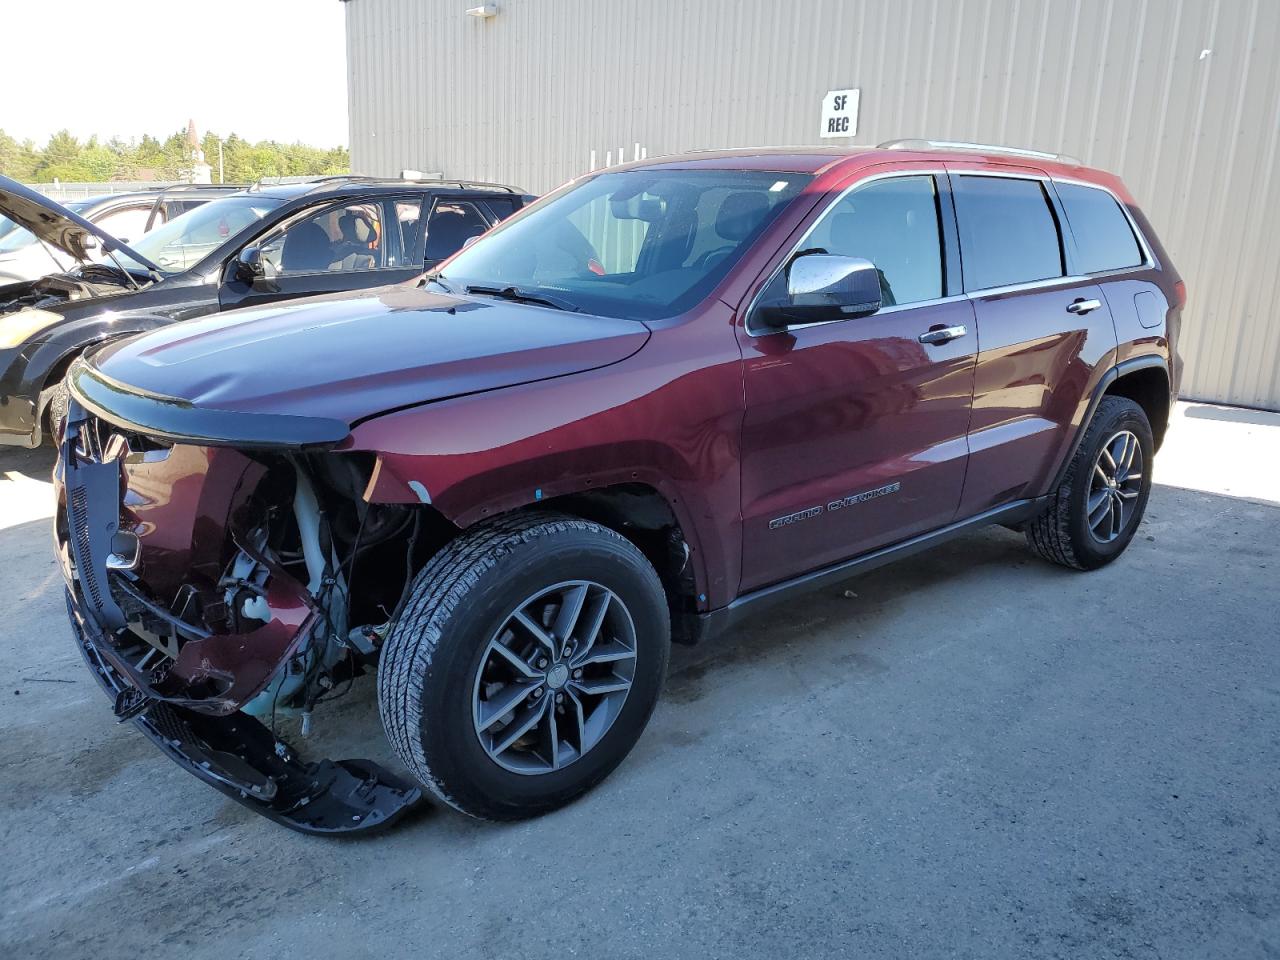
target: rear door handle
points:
(1082, 306)
(943, 334)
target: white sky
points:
(264, 69)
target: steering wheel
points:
(711, 255)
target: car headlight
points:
(17, 328)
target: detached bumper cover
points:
(238, 756)
(231, 752)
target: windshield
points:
(186, 240)
(639, 244)
(14, 238)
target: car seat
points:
(306, 249)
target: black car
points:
(126, 216)
(267, 243)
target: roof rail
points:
(204, 186)
(918, 144)
(317, 182)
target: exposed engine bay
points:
(90, 280)
(209, 643)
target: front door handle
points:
(943, 334)
(1081, 307)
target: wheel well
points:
(640, 513)
(1149, 389)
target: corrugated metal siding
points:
(527, 96)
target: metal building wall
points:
(1180, 97)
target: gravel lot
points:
(969, 754)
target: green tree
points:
(66, 158)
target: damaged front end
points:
(208, 586)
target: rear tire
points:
(515, 623)
(1097, 508)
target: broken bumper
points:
(228, 750)
(238, 756)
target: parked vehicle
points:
(257, 246)
(126, 216)
(661, 399)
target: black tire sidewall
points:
(56, 403)
(457, 760)
(1117, 414)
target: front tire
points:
(55, 401)
(525, 664)
(1097, 508)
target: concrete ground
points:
(970, 754)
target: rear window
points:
(1104, 239)
(1008, 233)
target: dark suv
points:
(661, 398)
(272, 242)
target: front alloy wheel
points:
(525, 663)
(555, 677)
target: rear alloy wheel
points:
(1096, 509)
(1115, 484)
(525, 664)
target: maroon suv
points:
(664, 396)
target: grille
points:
(79, 530)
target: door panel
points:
(1036, 364)
(836, 416)
(1041, 332)
(854, 435)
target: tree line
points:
(71, 160)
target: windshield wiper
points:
(525, 296)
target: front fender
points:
(673, 426)
(53, 352)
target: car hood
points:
(57, 226)
(341, 359)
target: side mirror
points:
(249, 265)
(821, 287)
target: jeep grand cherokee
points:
(661, 398)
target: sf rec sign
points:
(840, 113)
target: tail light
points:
(1180, 291)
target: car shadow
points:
(1262, 418)
(35, 464)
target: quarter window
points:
(894, 224)
(1008, 233)
(1104, 239)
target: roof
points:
(818, 160)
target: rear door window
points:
(1008, 231)
(501, 207)
(451, 224)
(1104, 239)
